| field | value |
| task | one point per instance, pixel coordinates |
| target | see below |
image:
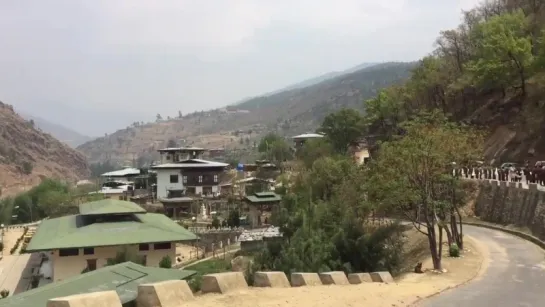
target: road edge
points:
(482, 268)
(517, 233)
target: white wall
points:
(66, 267)
(163, 181)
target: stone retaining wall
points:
(176, 292)
(506, 203)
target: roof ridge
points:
(71, 279)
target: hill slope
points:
(61, 133)
(288, 112)
(27, 155)
(487, 72)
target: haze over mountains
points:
(296, 110)
(61, 133)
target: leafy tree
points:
(314, 149)
(159, 117)
(274, 148)
(27, 167)
(180, 114)
(383, 114)
(503, 51)
(166, 262)
(215, 222)
(343, 128)
(411, 174)
(233, 220)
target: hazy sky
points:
(98, 65)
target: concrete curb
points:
(520, 234)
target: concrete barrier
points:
(271, 279)
(385, 277)
(223, 282)
(305, 279)
(163, 294)
(104, 298)
(359, 278)
(334, 278)
(174, 293)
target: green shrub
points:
(27, 167)
(195, 283)
(165, 263)
(454, 250)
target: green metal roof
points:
(262, 197)
(124, 278)
(77, 231)
(110, 206)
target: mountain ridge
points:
(236, 127)
(27, 155)
(60, 132)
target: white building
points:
(182, 172)
(125, 174)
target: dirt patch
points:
(407, 290)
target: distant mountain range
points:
(310, 82)
(61, 133)
(299, 108)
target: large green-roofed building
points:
(123, 278)
(89, 239)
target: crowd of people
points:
(512, 173)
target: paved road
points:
(515, 276)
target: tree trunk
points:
(432, 240)
(440, 252)
(460, 238)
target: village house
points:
(183, 178)
(260, 206)
(126, 174)
(360, 151)
(184, 173)
(299, 140)
(87, 240)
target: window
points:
(184, 178)
(66, 252)
(164, 245)
(91, 264)
(143, 247)
(200, 179)
(215, 178)
(173, 178)
(89, 251)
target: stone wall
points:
(509, 203)
(177, 292)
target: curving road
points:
(515, 276)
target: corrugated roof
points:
(261, 197)
(110, 206)
(308, 136)
(182, 149)
(123, 278)
(190, 163)
(74, 231)
(121, 173)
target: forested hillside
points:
(488, 72)
(237, 127)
